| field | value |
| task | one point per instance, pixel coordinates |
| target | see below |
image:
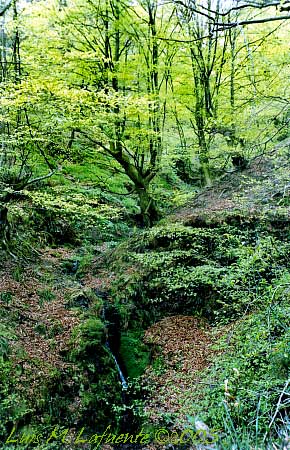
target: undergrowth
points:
(249, 397)
(238, 278)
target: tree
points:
(110, 82)
(17, 153)
(223, 87)
(116, 82)
(208, 51)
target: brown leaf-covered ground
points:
(235, 190)
(40, 323)
(184, 350)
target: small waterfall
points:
(109, 347)
(128, 421)
(122, 378)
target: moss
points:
(134, 353)
(95, 377)
(84, 298)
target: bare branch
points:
(6, 7)
(212, 15)
(249, 22)
(247, 5)
(43, 177)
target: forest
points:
(145, 224)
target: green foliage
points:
(6, 334)
(133, 101)
(11, 176)
(85, 262)
(6, 297)
(17, 273)
(69, 214)
(13, 408)
(45, 295)
(248, 378)
(71, 105)
(85, 298)
(220, 271)
(158, 365)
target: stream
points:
(112, 320)
(121, 375)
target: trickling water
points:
(111, 319)
(122, 378)
(121, 375)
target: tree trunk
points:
(4, 225)
(205, 171)
(203, 154)
(149, 210)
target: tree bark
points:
(4, 225)
(149, 210)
